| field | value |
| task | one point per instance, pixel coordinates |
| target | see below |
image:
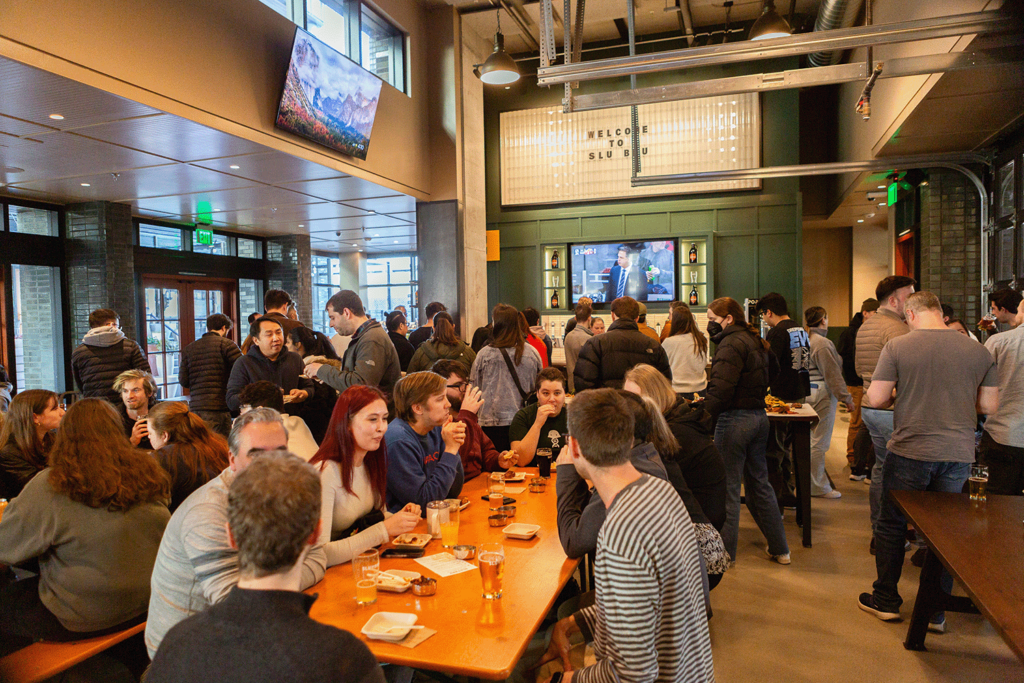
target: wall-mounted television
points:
(604, 271)
(328, 98)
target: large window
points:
(326, 271)
(221, 246)
(32, 221)
(38, 341)
(391, 282)
(329, 20)
(161, 237)
(250, 300)
(382, 48)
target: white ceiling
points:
(112, 149)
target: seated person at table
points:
(268, 359)
(196, 566)
(268, 395)
(423, 444)
(262, 631)
(640, 623)
(93, 519)
(353, 470)
(189, 451)
(541, 424)
(26, 437)
(477, 451)
(138, 396)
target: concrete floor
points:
(801, 622)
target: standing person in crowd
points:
(272, 523)
(309, 343)
(398, 328)
(196, 565)
(370, 358)
(186, 448)
(353, 473)
(827, 389)
(315, 347)
(93, 519)
(641, 323)
(541, 424)
(269, 360)
(740, 374)
(138, 397)
(482, 337)
(687, 350)
(423, 444)
(205, 368)
(537, 331)
(1003, 305)
(443, 344)
(503, 371)
(477, 452)
(958, 326)
(598, 325)
(575, 338)
(847, 348)
(1002, 443)
(887, 324)
(279, 306)
(263, 394)
(247, 343)
(571, 325)
(26, 436)
(932, 445)
(423, 332)
(103, 355)
(640, 622)
(539, 346)
(604, 359)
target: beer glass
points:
(496, 490)
(979, 481)
(543, 458)
(450, 525)
(365, 567)
(491, 557)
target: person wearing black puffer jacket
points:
(737, 384)
(103, 355)
(205, 368)
(605, 359)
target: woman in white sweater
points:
(687, 350)
(353, 475)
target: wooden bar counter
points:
(475, 637)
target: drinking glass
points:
(496, 490)
(543, 458)
(436, 511)
(450, 525)
(979, 482)
(365, 567)
(491, 557)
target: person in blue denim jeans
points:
(737, 384)
(932, 444)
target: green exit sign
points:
(893, 189)
(204, 235)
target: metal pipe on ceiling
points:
(834, 14)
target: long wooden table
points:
(982, 547)
(475, 637)
(801, 421)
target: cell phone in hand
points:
(401, 553)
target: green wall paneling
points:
(519, 234)
(779, 269)
(560, 228)
(517, 283)
(647, 225)
(737, 220)
(777, 219)
(601, 226)
(736, 261)
(692, 222)
(493, 291)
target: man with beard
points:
(137, 389)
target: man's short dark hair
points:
(447, 368)
(602, 424)
(583, 312)
(254, 329)
(869, 305)
(532, 316)
(433, 308)
(887, 286)
(1005, 298)
(276, 298)
(103, 316)
(262, 394)
(626, 307)
(273, 509)
(550, 374)
(253, 317)
(624, 247)
(346, 298)
(947, 311)
(395, 320)
(774, 302)
(218, 321)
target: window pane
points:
(38, 353)
(160, 237)
(401, 270)
(382, 49)
(376, 271)
(321, 322)
(250, 248)
(250, 300)
(282, 7)
(221, 246)
(32, 221)
(199, 302)
(170, 309)
(377, 302)
(328, 21)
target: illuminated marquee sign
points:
(551, 157)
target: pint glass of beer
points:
(492, 569)
(979, 481)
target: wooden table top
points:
(982, 546)
(475, 637)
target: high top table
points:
(475, 637)
(801, 420)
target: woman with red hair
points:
(353, 475)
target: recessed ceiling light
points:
(396, 241)
(880, 204)
(860, 220)
(301, 225)
(234, 167)
(881, 187)
(355, 245)
(371, 211)
(86, 185)
(360, 251)
(57, 117)
(376, 234)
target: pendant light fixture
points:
(770, 24)
(499, 68)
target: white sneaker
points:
(781, 559)
(831, 495)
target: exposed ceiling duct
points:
(834, 14)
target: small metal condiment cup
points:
(464, 552)
(497, 520)
(424, 586)
(507, 510)
(538, 485)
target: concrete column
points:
(289, 264)
(441, 259)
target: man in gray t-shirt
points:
(942, 380)
(1002, 444)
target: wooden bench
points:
(40, 661)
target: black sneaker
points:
(867, 604)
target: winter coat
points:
(103, 355)
(370, 359)
(605, 358)
(405, 350)
(697, 461)
(740, 371)
(285, 371)
(431, 351)
(205, 367)
(872, 336)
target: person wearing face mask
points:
(353, 471)
(741, 370)
(541, 424)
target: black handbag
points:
(523, 395)
(361, 524)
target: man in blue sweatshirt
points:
(423, 444)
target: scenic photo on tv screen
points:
(645, 271)
(328, 98)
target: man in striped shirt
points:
(649, 623)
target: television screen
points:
(328, 98)
(645, 271)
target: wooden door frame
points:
(188, 303)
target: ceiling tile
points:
(172, 137)
(63, 155)
(153, 181)
(273, 168)
(342, 188)
(358, 223)
(400, 204)
(12, 126)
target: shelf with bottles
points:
(693, 252)
(554, 258)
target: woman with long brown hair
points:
(737, 386)
(94, 519)
(186, 448)
(443, 344)
(687, 350)
(26, 437)
(505, 372)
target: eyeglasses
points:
(460, 386)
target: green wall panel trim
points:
(518, 284)
(602, 226)
(562, 228)
(519, 234)
(737, 220)
(736, 265)
(647, 225)
(777, 219)
(780, 269)
(692, 222)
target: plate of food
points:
(411, 541)
(390, 626)
(464, 502)
(515, 476)
(389, 583)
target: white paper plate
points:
(519, 476)
(376, 627)
(521, 531)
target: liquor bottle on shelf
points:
(694, 297)
(554, 260)
(693, 252)
(554, 299)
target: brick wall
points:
(289, 268)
